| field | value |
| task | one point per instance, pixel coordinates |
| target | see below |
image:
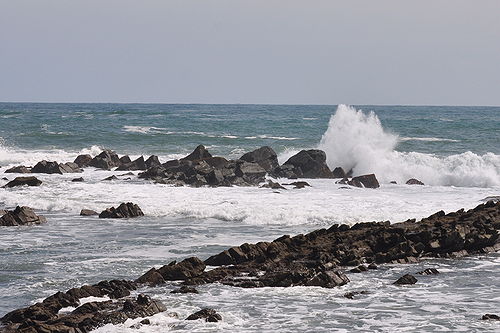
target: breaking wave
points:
(357, 140)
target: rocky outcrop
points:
(406, 279)
(125, 210)
(199, 153)
(305, 164)
(152, 161)
(55, 167)
(265, 156)
(20, 216)
(20, 181)
(414, 181)
(106, 160)
(83, 161)
(138, 164)
(209, 315)
(338, 172)
(19, 169)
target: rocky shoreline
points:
(322, 258)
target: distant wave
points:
(430, 139)
(264, 136)
(355, 140)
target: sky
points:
(230, 51)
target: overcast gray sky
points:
(229, 51)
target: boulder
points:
(209, 315)
(125, 210)
(188, 268)
(367, 181)
(55, 168)
(20, 181)
(490, 316)
(19, 169)
(199, 153)
(83, 161)
(151, 278)
(264, 156)
(252, 173)
(138, 164)
(76, 180)
(414, 181)
(21, 216)
(307, 164)
(406, 279)
(273, 185)
(152, 161)
(338, 172)
(105, 160)
(88, 212)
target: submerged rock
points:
(20, 181)
(406, 279)
(76, 180)
(367, 181)
(21, 216)
(414, 181)
(428, 271)
(490, 316)
(185, 290)
(125, 210)
(210, 315)
(88, 212)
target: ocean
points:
(455, 151)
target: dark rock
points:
(20, 181)
(138, 164)
(88, 212)
(83, 161)
(264, 156)
(299, 185)
(152, 161)
(372, 266)
(273, 185)
(18, 169)
(414, 181)
(79, 179)
(308, 164)
(125, 210)
(105, 160)
(428, 271)
(210, 315)
(151, 278)
(490, 316)
(352, 294)
(21, 216)
(406, 279)
(113, 177)
(55, 168)
(252, 173)
(393, 182)
(199, 153)
(125, 159)
(216, 162)
(359, 269)
(338, 172)
(184, 290)
(188, 268)
(215, 177)
(367, 181)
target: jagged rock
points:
(83, 161)
(125, 159)
(188, 268)
(21, 216)
(88, 212)
(20, 181)
(79, 179)
(152, 161)
(367, 181)
(305, 164)
(107, 159)
(54, 167)
(490, 316)
(428, 271)
(19, 169)
(372, 266)
(406, 279)
(199, 153)
(264, 156)
(151, 278)
(359, 269)
(125, 210)
(338, 172)
(251, 173)
(138, 164)
(210, 315)
(185, 290)
(414, 181)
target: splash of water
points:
(355, 140)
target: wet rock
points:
(367, 181)
(21, 216)
(251, 173)
(188, 268)
(428, 271)
(185, 290)
(209, 315)
(113, 177)
(19, 169)
(299, 185)
(83, 161)
(406, 279)
(138, 164)
(352, 294)
(338, 172)
(107, 159)
(265, 157)
(305, 164)
(199, 153)
(55, 168)
(88, 212)
(273, 185)
(152, 161)
(359, 269)
(372, 266)
(151, 278)
(393, 182)
(215, 177)
(490, 316)
(414, 181)
(79, 179)
(125, 210)
(20, 181)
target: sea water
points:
(455, 151)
